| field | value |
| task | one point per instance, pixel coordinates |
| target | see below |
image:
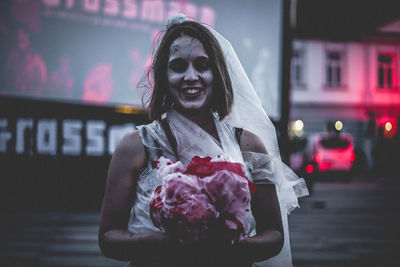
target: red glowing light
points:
(388, 126)
(353, 156)
(317, 157)
(324, 166)
(309, 168)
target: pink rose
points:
(207, 193)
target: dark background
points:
(36, 182)
(341, 19)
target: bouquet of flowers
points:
(210, 194)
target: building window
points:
(297, 69)
(385, 70)
(334, 69)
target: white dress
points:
(191, 141)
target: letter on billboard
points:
(95, 137)
(72, 144)
(5, 136)
(22, 126)
(153, 10)
(111, 7)
(51, 3)
(130, 9)
(46, 138)
(91, 5)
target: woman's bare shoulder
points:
(130, 141)
(252, 143)
(130, 149)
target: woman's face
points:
(189, 74)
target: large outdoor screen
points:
(96, 51)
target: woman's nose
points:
(191, 74)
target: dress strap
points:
(170, 136)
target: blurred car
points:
(331, 152)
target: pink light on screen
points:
(208, 16)
(98, 85)
(27, 12)
(140, 64)
(204, 14)
(61, 80)
(26, 70)
(137, 60)
(153, 11)
(190, 10)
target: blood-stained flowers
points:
(211, 194)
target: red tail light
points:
(317, 157)
(353, 156)
(309, 168)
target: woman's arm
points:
(114, 240)
(268, 241)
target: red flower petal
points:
(203, 167)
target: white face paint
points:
(189, 74)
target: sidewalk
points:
(352, 223)
(341, 224)
(52, 239)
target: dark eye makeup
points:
(180, 65)
(201, 63)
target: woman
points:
(192, 86)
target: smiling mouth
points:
(191, 91)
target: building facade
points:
(355, 82)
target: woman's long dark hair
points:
(161, 100)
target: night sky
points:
(343, 19)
